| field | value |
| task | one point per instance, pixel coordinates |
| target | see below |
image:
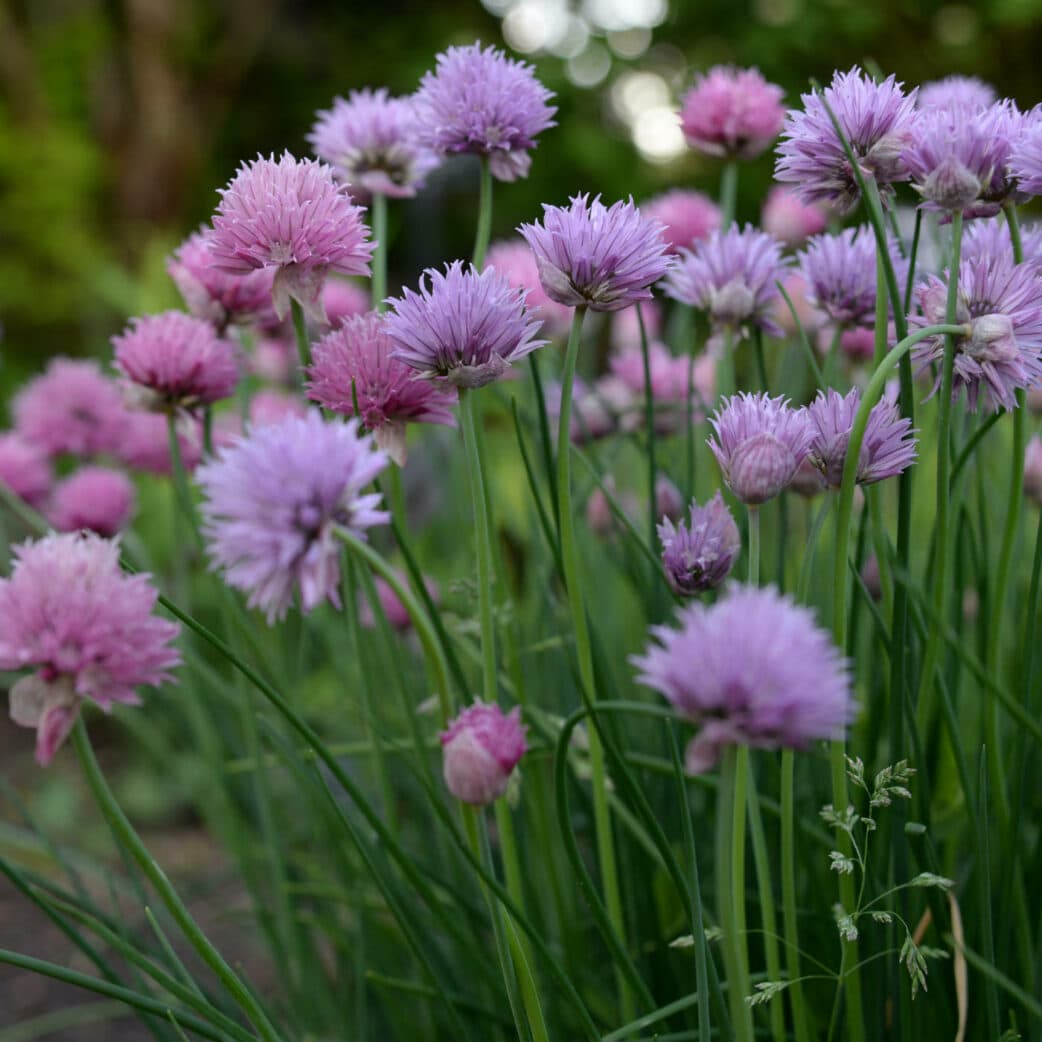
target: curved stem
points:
(378, 285)
(483, 232)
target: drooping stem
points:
(728, 193)
(300, 331)
(788, 861)
(378, 285)
(484, 229)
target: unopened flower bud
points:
(481, 748)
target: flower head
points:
(372, 141)
(94, 498)
(699, 556)
(465, 326)
(1026, 160)
(480, 750)
(991, 239)
(789, 219)
(517, 264)
(70, 610)
(146, 442)
(732, 112)
(876, 119)
(590, 255)
(342, 299)
(24, 469)
(273, 500)
(480, 101)
(760, 443)
(686, 216)
(355, 363)
(290, 215)
(967, 93)
(788, 687)
(669, 386)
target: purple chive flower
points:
(590, 255)
(1033, 469)
(146, 442)
(218, 296)
(516, 263)
(355, 362)
(966, 93)
(686, 216)
(480, 750)
(732, 112)
(732, 277)
(292, 216)
(372, 141)
(71, 408)
(1025, 165)
(465, 326)
(760, 443)
(991, 239)
(24, 469)
(272, 501)
(699, 556)
(1001, 304)
(669, 386)
(93, 498)
(888, 447)
(482, 102)
(877, 120)
(343, 299)
(172, 361)
(70, 610)
(790, 220)
(789, 686)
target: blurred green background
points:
(120, 118)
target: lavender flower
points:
(516, 263)
(790, 220)
(481, 748)
(464, 326)
(273, 500)
(1026, 160)
(70, 610)
(603, 258)
(373, 142)
(992, 239)
(355, 362)
(788, 687)
(93, 498)
(699, 557)
(686, 216)
(760, 443)
(876, 119)
(669, 387)
(966, 93)
(24, 469)
(290, 215)
(732, 277)
(732, 112)
(482, 102)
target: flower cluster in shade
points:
(760, 443)
(146, 442)
(732, 112)
(24, 469)
(698, 556)
(479, 101)
(788, 687)
(603, 520)
(273, 500)
(69, 612)
(686, 216)
(731, 276)
(517, 264)
(604, 258)
(393, 609)
(789, 219)
(480, 749)
(1000, 304)
(354, 364)
(887, 449)
(372, 141)
(291, 216)
(97, 499)
(967, 93)
(464, 326)
(877, 120)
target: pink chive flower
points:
(97, 499)
(789, 219)
(218, 296)
(372, 141)
(686, 216)
(760, 443)
(480, 750)
(291, 216)
(272, 501)
(72, 408)
(70, 611)
(967, 93)
(590, 255)
(393, 609)
(343, 299)
(464, 327)
(355, 362)
(268, 406)
(789, 687)
(732, 112)
(146, 443)
(698, 556)
(1033, 469)
(517, 264)
(24, 469)
(274, 359)
(858, 343)
(479, 101)
(669, 386)
(172, 361)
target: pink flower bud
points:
(481, 748)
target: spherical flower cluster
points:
(788, 687)
(965, 93)
(372, 141)
(97, 499)
(465, 326)
(590, 255)
(482, 102)
(24, 469)
(273, 500)
(686, 216)
(669, 387)
(992, 239)
(699, 556)
(789, 219)
(354, 364)
(760, 444)
(172, 361)
(877, 121)
(342, 299)
(290, 215)
(732, 276)
(732, 112)
(517, 264)
(69, 610)
(480, 750)
(1026, 160)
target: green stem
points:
(484, 229)
(378, 285)
(728, 193)
(832, 358)
(788, 861)
(754, 545)
(181, 488)
(649, 423)
(300, 331)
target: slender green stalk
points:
(754, 545)
(831, 370)
(788, 863)
(181, 488)
(300, 331)
(483, 232)
(689, 421)
(649, 423)
(728, 193)
(378, 284)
